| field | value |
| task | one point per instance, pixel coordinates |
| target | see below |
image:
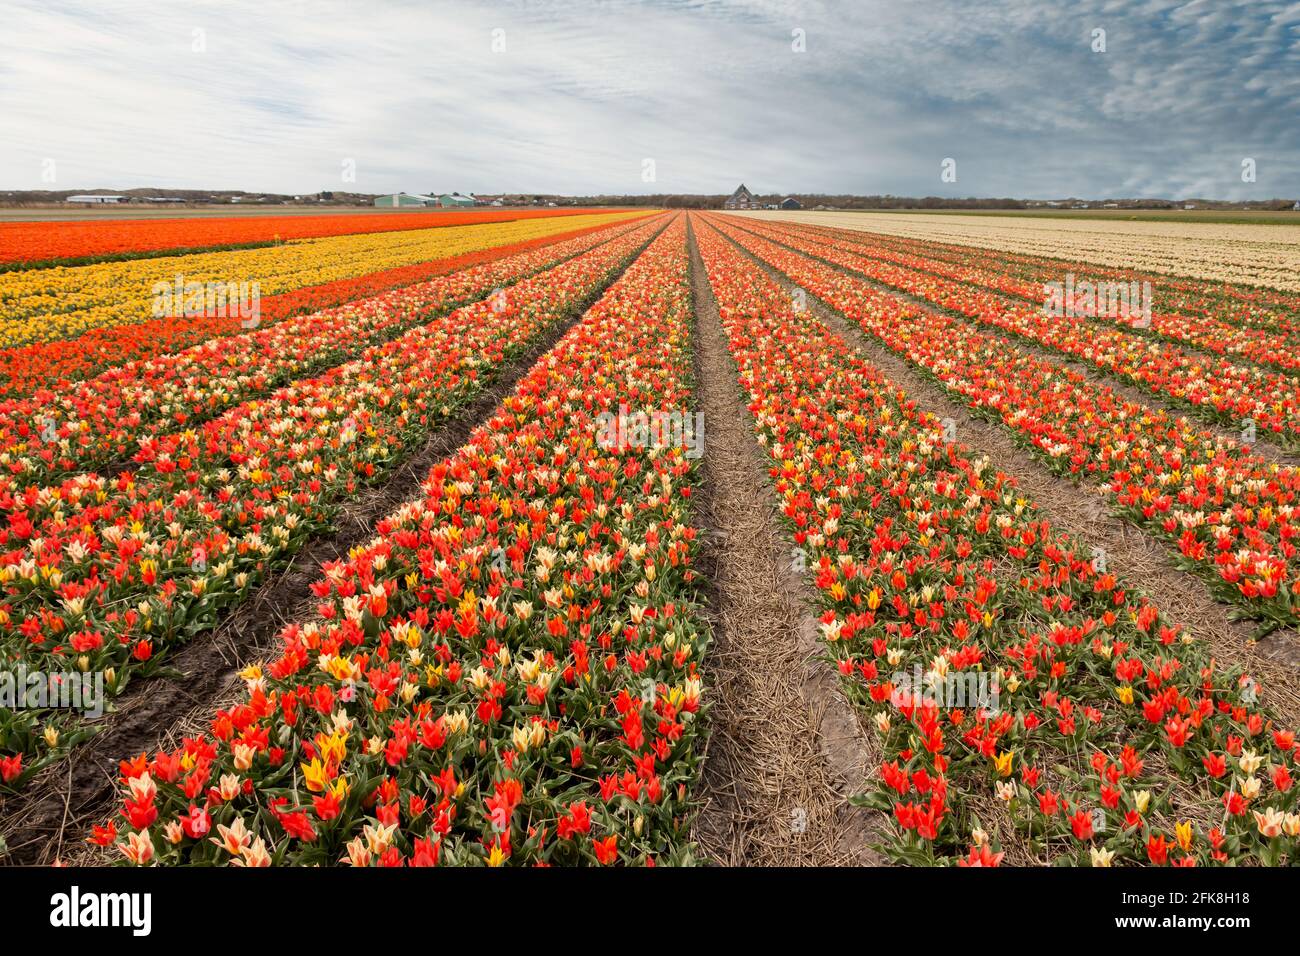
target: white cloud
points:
(285, 90)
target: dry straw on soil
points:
(785, 750)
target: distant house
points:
(789, 202)
(1296, 207)
(742, 198)
(96, 199)
(1190, 205)
(404, 200)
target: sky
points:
(1025, 97)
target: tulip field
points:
(428, 504)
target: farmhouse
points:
(405, 199)
(742, 198)
(95, 198)
(789, 202)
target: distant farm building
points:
(742, 198)
(454, 200)
(404, 200)
(789, 202)
(96, 199)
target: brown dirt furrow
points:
(50, 818)
(785, 750)
(1141, 559)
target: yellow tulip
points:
(314, 775)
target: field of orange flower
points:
(422, 567)
(28, 245)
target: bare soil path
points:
(785, 750)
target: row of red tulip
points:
(507, 673)
(1261, 402)
(107, 573)
(1027, 701)
(1231, 514)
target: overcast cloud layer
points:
(277, 95)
